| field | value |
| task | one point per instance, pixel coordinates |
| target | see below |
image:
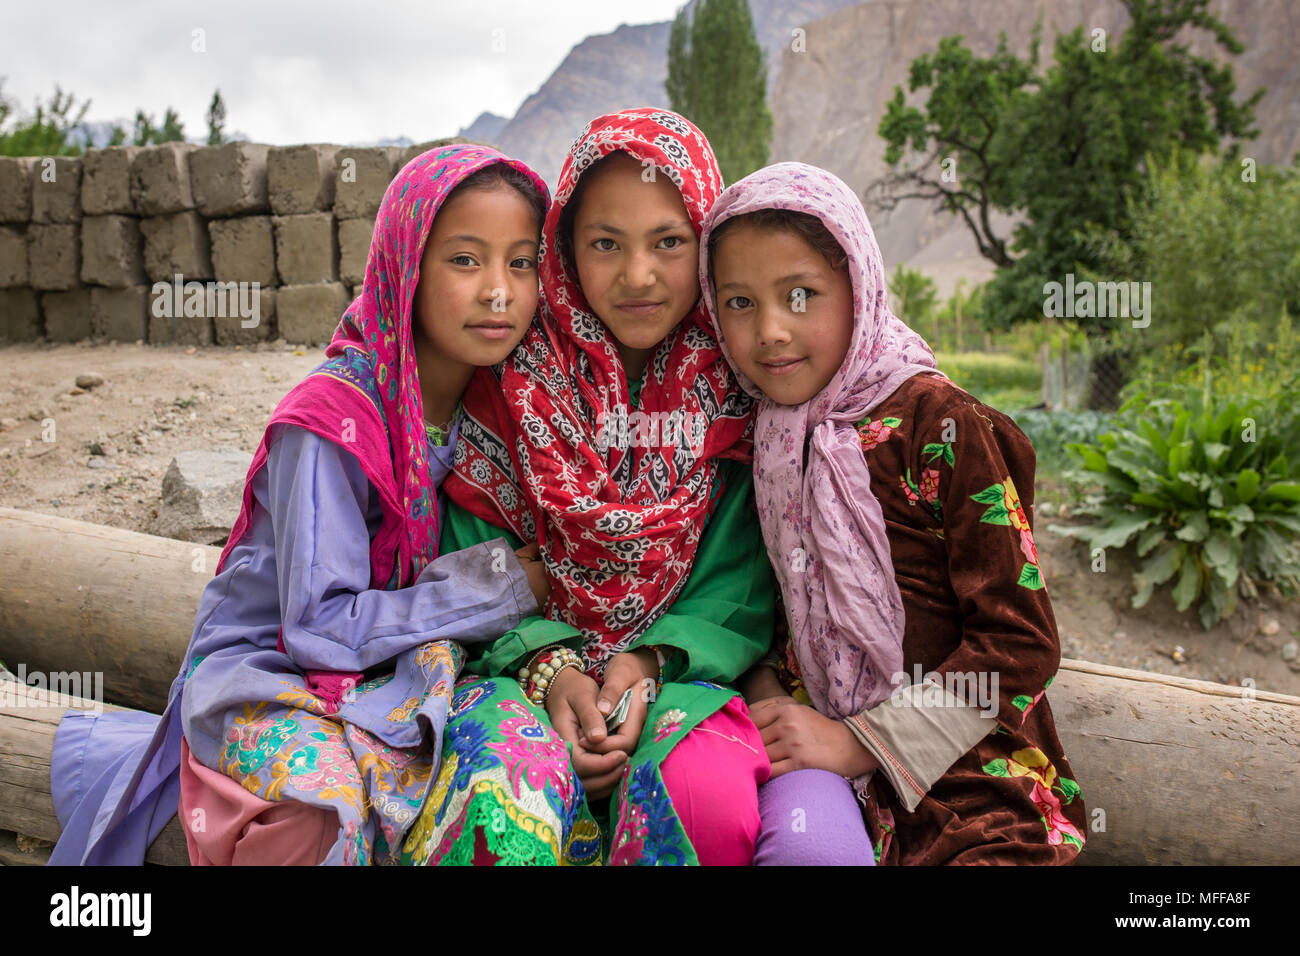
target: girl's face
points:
(636, 254)
(478, 276)
(786, 316)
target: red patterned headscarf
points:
(618, 524)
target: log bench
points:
(1173, 771)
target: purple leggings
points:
(811, 818)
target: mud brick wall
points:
(85, 241)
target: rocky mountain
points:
(485, 129)
(626, 68)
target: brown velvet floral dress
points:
(946, 470)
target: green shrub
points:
(1207, 487)
(1003, 381)
(1051, 432)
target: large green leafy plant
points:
(1206, 488)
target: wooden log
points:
(1184, 772)
(27, 728)
(76, 596)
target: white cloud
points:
(326, 71)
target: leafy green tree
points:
(717, 79)
(46, 131)
(146, 134)
(1219, 241)
(216, 120)
(1063, 149)
(914, 295)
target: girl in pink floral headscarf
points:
(889, 505)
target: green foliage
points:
(1051, 432)
(1219, 241)
(45, 131)
(995, 378)
(914, 295)
(718, 80)
(1207, 488)
(216, 120)
(1064, 148)
(146, 134)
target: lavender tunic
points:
(303, 565)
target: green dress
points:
(506, 791)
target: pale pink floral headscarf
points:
(823, 527)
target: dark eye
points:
(796, 297)
(675, 240)
(744, 302)
(469, 260)
(523, 262)
(608, 248)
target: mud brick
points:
(306, 248)
(231, 331)
(300, 178)
(121, 315)
(243, 250)
(16, 188)
(168, 323)
(176, 244)
(229, 180)
(106, 181)
(56, 190)
(309, 314)
(20, 315)
(112, 252)
(354, 248)
(13, 257)
(410, 152)
(361, 176)
(67, 315)
(160, 179)
(53, 257)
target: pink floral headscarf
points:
(823, 526)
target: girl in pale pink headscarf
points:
(921, 639)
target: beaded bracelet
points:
(538, 676)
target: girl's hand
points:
(638, 670)
(530, 557)
(799, 738)
(571, 705)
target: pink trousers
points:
(712, 776)
(225, 825)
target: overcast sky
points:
(341, 71)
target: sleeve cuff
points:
(525, 601)
(917, 734)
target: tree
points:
(1064, 149)
(914, 295)
(46, 131)
(718, 80)
(146, 134)
(216, 120)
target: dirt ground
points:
(155, 402)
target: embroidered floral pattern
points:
(1004, 508)
(1033, 763)
(669, 724)
(533, 752)
(873, 433)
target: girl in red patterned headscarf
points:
(617, 439)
